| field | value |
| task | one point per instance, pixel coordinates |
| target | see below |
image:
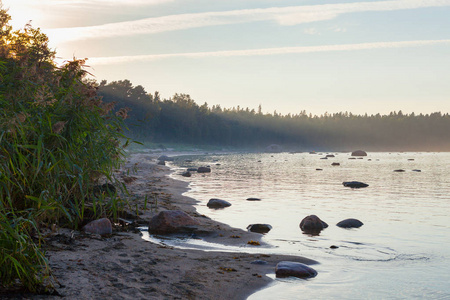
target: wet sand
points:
(124, 266)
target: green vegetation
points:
(57, 139)
(181, 120)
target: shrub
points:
(57, 138)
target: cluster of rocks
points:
(313, 224)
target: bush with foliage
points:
(57, 138)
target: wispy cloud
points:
(96, 61)
(43, 3)
(311, 31)
(286, 16)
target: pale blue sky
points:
(318, 56)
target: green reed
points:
(57, 140)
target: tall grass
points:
(57, 139)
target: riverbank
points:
(124, 266)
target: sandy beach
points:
(124, 266)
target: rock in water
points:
(312, 224)
(204, 170)
(399, 170)
(161, 163)
(259, 228)
(218, 203)
(186, 174)
(253, 199)
(101, 226)
(165, 158)
(172, 221)
(355, 184)
(350, 223)
(359, 153)
(335, 164)
(289, 268)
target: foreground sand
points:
(124, 266)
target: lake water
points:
(401, 252)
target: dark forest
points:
(180, 119)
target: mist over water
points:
(401, 251)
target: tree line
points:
(180, 119)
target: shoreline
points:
(125, 266)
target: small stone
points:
(253, 199)
(335, 164)
(312, 224)
(204, 170)
(295, 269)
(217, 203)
(350, 223)
(259, 228)
(417, 170)
(165, 158)
(334, 247)
(359, 153)
(355, 184)
(186, 174)
(101, 226)
(399, 170)
(259, 262)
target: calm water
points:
(401, 252)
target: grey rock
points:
(204, 170)
(350, 223)
(172, 221)
(253, 199)
(359, 153)
(259, 228)
(295, 269)
(354, 184)
(312, 224)
(101, 226)
(217, 203)
(165, 158)
(259, 262)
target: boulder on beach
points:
(259, 228)
(350, 223)
(354, 184)
(253, 199)
(217, 203)
(101, 226)
(204, 170)
(312, 224)
(172, 221)
(359, 153)
(186, 174)
(165, 158)
(295, 269)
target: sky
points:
(287, 56)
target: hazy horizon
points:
(289, 56)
